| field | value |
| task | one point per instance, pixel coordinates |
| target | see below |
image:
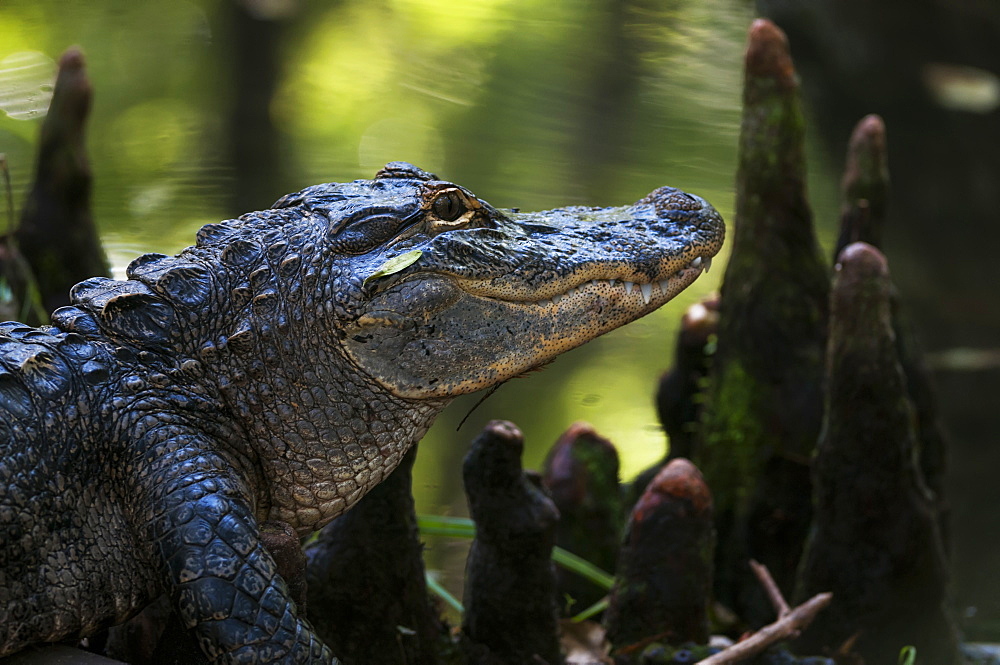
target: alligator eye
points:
(449, 206)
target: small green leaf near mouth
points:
(394, 265)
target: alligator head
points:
(477, 295)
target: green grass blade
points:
(443, 594)
(443, 525)
(582, 567)
(463, 527)
(599, 606)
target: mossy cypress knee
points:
(581, 474)
(664, 577)
(764, 402)
(875, 541)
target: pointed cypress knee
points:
(664, 578)
(581, 474)
(865, 186)
(764, 402)
(875, 541)
(57, 235)
(679, 395)
(366, 587)
(865, 193)
(510, 602)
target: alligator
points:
(278, 370)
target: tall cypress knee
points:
(764, 404)
(864, 209)
(581, 473)
(875, 540)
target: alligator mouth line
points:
(657, 290)
(646, 289)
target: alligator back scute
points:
(41, 369)
(75, 320)
(139, 317)
(15, 400)
(127, 309)
(211, 234)
(241, 253)
(41, 364)
(182, 283)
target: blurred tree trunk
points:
(257, 33)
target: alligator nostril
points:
(682, 201)
(668, 198)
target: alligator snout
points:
(670, 198)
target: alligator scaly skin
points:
(267, 373)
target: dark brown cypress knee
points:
(510, 602)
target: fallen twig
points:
(771, 588)
(785, 627)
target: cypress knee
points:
(679, 393)
(678, 402)
(864, 209)
(764, 401)
(865, 186)
(581, 473)
(664, 576)
(366, 587)
(510, 601)
(57, 235)
(875, 541)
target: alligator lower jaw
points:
(643, 294)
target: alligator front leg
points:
(222, 581)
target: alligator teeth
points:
(647, 292)
(696, 262)
(708, 264)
